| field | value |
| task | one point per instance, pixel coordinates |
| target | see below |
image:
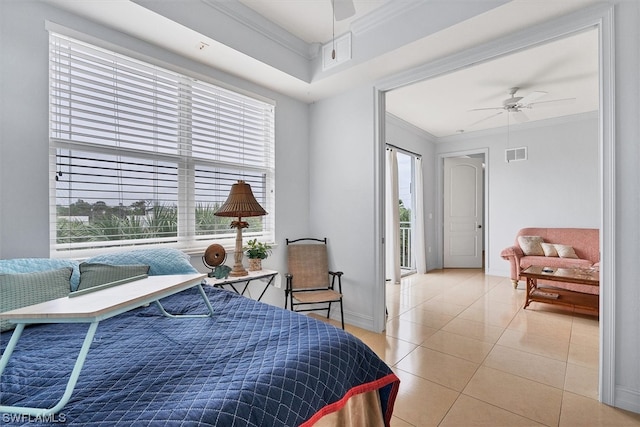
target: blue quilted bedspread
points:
(250, 365)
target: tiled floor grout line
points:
(493, 344)
(410, 300)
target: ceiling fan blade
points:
(484, 119)
(520, 117)
(553, 102)
(343, 9)
(528, 99)
(488, 108)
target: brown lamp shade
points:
(241, 202)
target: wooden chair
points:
(309, 281)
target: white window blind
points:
(141, 155)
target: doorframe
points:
(440, 200)
(600, 17)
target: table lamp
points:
(240, 203)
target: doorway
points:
(599, 19)
(403, 214)
(406, 202)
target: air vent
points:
(515, 154)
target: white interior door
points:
(463, 207)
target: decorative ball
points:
(214, 255)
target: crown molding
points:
(385, 13)
(254, 21)
(403, 124)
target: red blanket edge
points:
(362, 388)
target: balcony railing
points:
(406, 258)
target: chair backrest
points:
(309, 265)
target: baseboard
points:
(350, 318)
(353, 319)
(627, 399)
(497, 272)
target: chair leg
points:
(329, 310)
(291, 301)
(341, 314)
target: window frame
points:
(187, 238)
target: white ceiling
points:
(567, 68)
(310, 20)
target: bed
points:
(250, 364)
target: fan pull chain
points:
(333, 22)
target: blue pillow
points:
(32, 265)
(161, 261)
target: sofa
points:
(555, 248)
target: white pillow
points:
(565, 251)
(549, 249)
(531, 245)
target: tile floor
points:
(467, 354)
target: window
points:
(141, 155)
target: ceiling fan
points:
(515, 104)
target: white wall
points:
(558, 186)
(404, 135)
(341, 185)
(24, 162)
(24, 167)
(627, 204)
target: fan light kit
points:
(515, 103)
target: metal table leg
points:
(206, 301)
(71, 384)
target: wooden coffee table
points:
(551, 295)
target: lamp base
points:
(238, 269)
(238, 272)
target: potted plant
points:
(256, 252)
